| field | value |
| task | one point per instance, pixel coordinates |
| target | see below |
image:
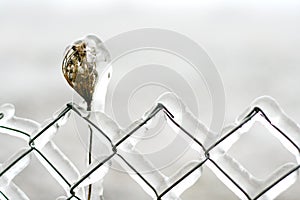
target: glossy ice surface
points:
(254, 45)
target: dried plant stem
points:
(90, 150)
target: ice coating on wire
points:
(11, 191)
(39, 137)
(212, 151)
(7, 187)
(127, 151)
(16, 126)
(278, 118)
(12, 171)
(132, 156)
(184, 117)
(246, 185)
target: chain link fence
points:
(212, 152)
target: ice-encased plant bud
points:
(80, 64)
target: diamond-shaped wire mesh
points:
(212, 152)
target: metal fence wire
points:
(37, 142)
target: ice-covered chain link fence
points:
(212, 152)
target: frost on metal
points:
(211, 148)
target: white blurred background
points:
(255, 46)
